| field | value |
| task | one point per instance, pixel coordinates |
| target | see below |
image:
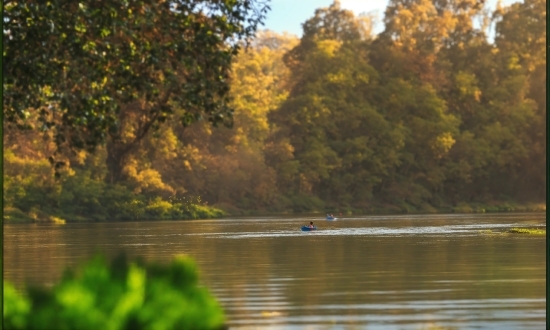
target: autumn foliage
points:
(443, 110)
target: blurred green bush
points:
(126, 295)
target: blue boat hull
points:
(331, 218)
(306, 228)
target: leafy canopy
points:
(75, 64)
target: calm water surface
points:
(358, 272)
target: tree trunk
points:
(116, 156)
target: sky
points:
(288, 15)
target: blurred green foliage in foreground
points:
(126, 295)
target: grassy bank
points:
(386, 209)
(132, 209)
(492, 207)
(530, 231)
(80, 197)
(182, 209)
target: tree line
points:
(442, 110)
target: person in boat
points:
(310, 224)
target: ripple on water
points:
(461, 230)
(414, 314)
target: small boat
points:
(331, 218)
(307, 228)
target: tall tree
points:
(332, 143)
(521, 41)
(108, 70)
(331, 23)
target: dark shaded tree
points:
(109, 71)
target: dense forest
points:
(444, 110)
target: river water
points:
(358, 272)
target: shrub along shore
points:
(189, 209)
(137, 208)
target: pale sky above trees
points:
(288, 15)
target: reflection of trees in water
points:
(306, 270)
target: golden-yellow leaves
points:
(329, 47)
(47, 91)
(443, 144)
(466, 83)
(513, 63)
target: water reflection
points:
(405, 272)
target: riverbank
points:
(387, 209)
(156, 210)
(530, 231)
(159, 209)
(465, 208)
